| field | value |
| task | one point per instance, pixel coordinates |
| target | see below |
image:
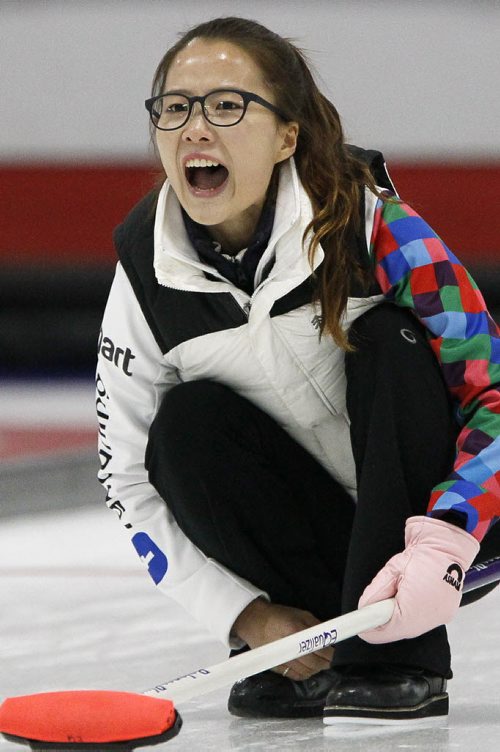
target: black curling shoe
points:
(269, 695)
(385, 694)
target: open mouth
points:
(205, 175)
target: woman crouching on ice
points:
(309, 418)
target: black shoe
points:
(385, 694)
(269, 695)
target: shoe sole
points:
(432, 709)
(273, 710)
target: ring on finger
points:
(285, 672)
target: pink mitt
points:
(425, 579)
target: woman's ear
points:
(287, 143)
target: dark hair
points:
(332, 176)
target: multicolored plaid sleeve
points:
(416, 270)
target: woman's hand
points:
(426, 579)
(262, 622)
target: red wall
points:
(66, 213)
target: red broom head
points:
(84, 717)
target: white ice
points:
(77, 610)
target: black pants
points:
(249, 496)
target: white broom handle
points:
(323, 635)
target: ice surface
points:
(77, 610)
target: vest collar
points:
(178, 265)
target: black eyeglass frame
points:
(247, 97)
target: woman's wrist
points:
(251, 614)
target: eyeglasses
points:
(223, 107)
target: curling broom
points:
(102, 720)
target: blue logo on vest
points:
(151, 555)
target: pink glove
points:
(426, 579)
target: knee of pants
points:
(394, 379)
(389, 329)
(391, 344)
(187, 417)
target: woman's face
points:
(248, 150)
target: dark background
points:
(58, 258)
